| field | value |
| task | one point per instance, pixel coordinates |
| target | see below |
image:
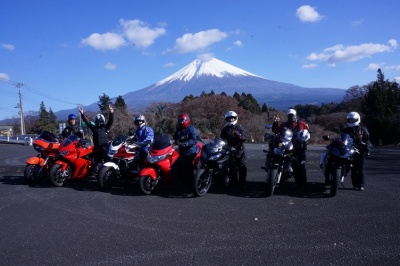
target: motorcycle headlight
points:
(156, 159)
(38, 148)
(214, 157)
(279, 151)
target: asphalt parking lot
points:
(80, 225)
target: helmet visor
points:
(138, 122)
(230, 119)
(352, 120)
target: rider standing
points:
(360, 136)
(72, 128)
(299, 165)
(235, 136)
(186, 137)
(100, 134)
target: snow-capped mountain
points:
(198, 68)
(216, 75)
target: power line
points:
(38, 92)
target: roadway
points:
(79, 225)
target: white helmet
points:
(231, 118)
(99, 120)
(303, 135)
(353, 119)
(140, 121)
(292, 115)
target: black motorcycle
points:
(279, 157)
(336, 162)
(214, 168)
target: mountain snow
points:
(212, 67)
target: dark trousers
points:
(357, 171)
(299, 168)
(238, 171)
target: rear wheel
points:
(58, 177)
(271, 182)
(31, 174)
(147, 184)
(202, 182)
(334, 182)
(106, 177)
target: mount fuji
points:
(218, 76)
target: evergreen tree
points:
(381, 107)
(104, 101)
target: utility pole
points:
(21, 112)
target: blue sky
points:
(69, 52)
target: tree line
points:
(377, 102)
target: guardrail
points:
(21, 139)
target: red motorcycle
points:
(74, 161)
(124, 164)
(159, 163)
(39, 166)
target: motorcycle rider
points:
(72, 128)
(186, 137)
(360, 136)
(100, 135)
(235, 136)
(144, 136)
(299, 165)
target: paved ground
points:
(79, 225)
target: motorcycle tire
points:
(31, 175)
(202, 182)
(146, 184)
(106, 177)
(271, 182)
(56, 175)
(334, 182)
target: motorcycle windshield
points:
(69, 140)
(342, 146)
(214, 147)
(118, 140)
(48, 136)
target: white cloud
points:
(374, 66)
(110, 66)
(307, 13)
(357, 22)
(205, 57)
(169, 65)
(4, 76)
(8, 47)
(139, 34)
(393, 67)
(106, 41)
(341, 53)
(397, 79)
(191, 42)
(309, 66)
(238, 43)
(135, 32)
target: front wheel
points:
(334, 182)
(106, 177)
(31, 174)
(202, 182)
(147, 184)
(58, 177)
(271, 182)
